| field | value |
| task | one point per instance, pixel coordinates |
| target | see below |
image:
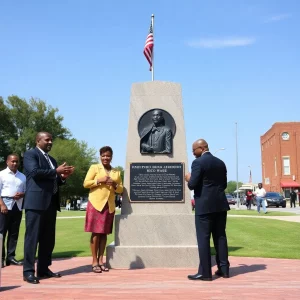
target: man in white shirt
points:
(12, 191)
(260, 193)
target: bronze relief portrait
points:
(156, 129)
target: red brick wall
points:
(273, 147)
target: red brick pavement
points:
(251, 278)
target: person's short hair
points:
(105, 149)
(40, 134)
(11, 155)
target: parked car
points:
(273, 199)
(83, 205)
(243, 199)
(230, 199)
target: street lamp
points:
(219, 150)
(250, 175)
(237, 167)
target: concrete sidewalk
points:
(251, 278)
(295, 218)
(281, 218)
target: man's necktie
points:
(55, 187)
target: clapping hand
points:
(187, 177)
(64, 170)
(110, 182)
(107, 180)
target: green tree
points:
(30, 117)
(6, 132)
(77, 154)
(231, 186)
(122, 172)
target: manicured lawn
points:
(255, 237)
(70, 213)
(263, 238)
(71, 240)
(255, 213)
(74, 213)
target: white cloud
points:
(277, 18)
(226, 42)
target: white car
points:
(83, 205)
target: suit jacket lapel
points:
(159, 134)
(53, 161)
(42, 160)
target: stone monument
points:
(156, 226)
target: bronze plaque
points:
(156, 182)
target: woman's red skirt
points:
(98, 221)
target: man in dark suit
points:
(293, 197)
(43, 176)
(208, 179)
(156, 138)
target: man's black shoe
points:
(2, 264)
(222, 274)
(199, 277)
(13, 261)
(31, 279)
(48, 274)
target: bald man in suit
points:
(208, 179)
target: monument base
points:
(153, 241)
(139, 257)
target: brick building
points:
(280, 153)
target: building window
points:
(275, 165)
(286, 166)
(286, 193)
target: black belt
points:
(7, 197)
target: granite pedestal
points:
(150, 235)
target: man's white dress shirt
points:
(10, 184)
(260, 192)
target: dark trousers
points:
(248, 204)
(40, 230)
(293, 202)
(215, 224)
(10, 225)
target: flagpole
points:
(152, 68)
(250, 176)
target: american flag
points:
(148, 48)
(250, 177)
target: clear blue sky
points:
(237, 61)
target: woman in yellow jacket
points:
(103, 182)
